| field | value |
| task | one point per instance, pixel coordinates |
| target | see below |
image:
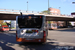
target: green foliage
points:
(49, 22)
(13, 28)
(45, 12)
(4, 24)
(1, 21)
(69, 24)
(10, 22)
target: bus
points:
(31, 28)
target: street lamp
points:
(48, 6)
(60, 10)
(27, 6)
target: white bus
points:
(31, 28)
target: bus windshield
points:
(5, 27)
(30, 21)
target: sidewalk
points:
(64, 28)
(12, 29)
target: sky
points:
(66, 6)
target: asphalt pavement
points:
(57, 39)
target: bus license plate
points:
(29, 39)
(29, 31)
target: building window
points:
(51, 11)
(55, 11)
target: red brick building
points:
(54, 11)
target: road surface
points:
(57, 39)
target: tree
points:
(4, 24)
(49, 22)
(1, 22)
(44, 12)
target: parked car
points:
(4, 28)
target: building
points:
(13, 24)
(73, 13)
(54, 11)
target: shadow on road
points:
(5, 47)
(7, 41)
(46, 46)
